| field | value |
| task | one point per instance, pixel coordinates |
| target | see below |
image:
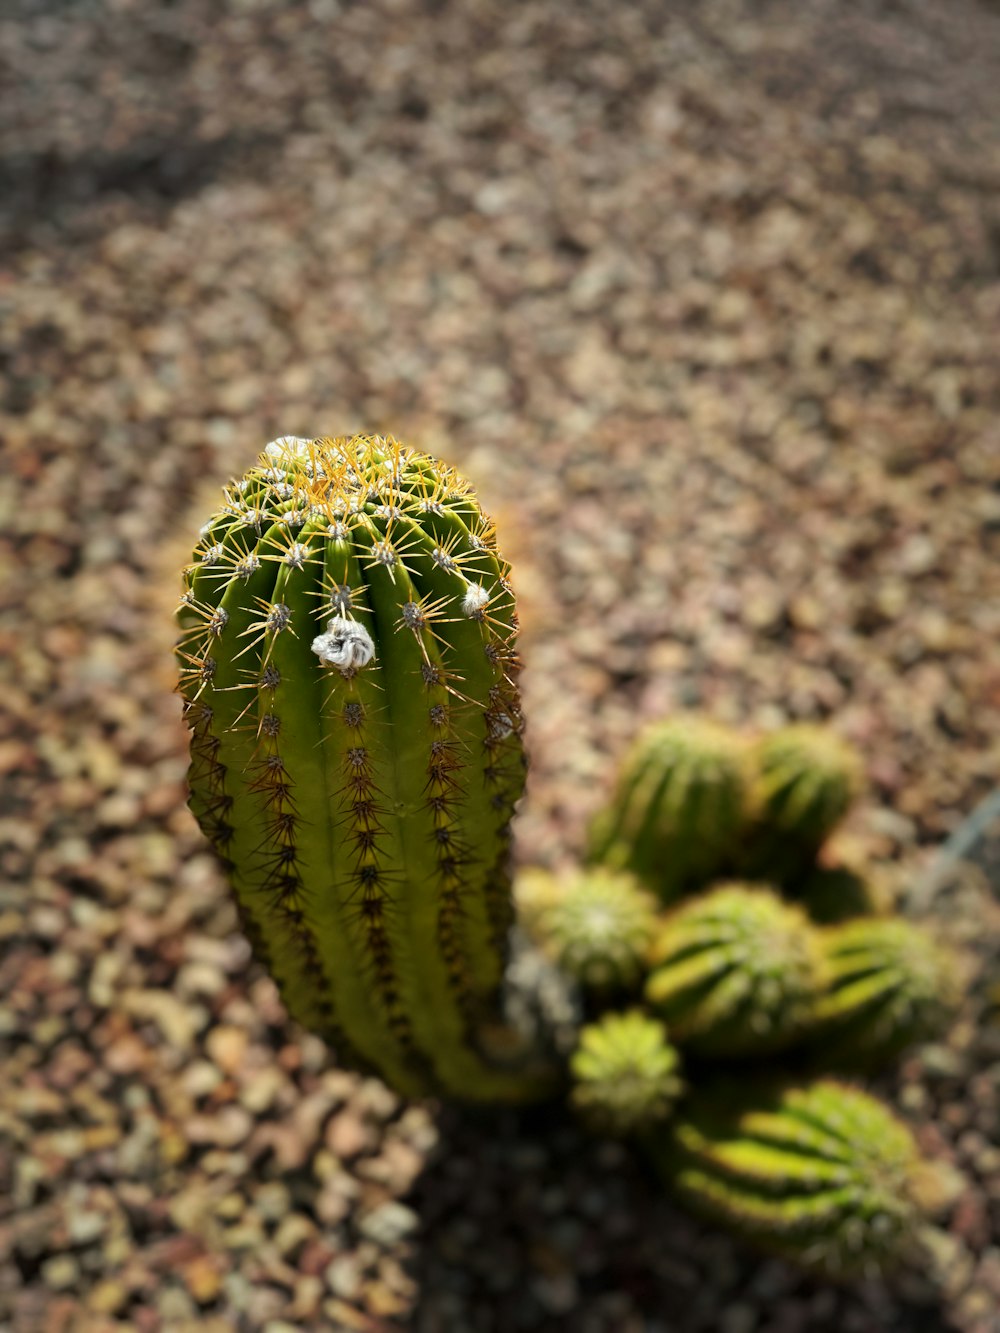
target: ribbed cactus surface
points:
(626, 1074)
(735, 972)
(350, 682)
(890, 983)
(825, 1175)
(596, 925)
(681, 803)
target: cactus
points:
(350, 682)
(890, 984)
(735, 972)
(596, 926)
(625, 1074)
(681, 803)
(807, 779)
(824, 1175)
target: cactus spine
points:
(825, 1175)
(625, 1074)
(735, 972)
(350, 681)
(681, 803)
(596, 926)
(890, 984)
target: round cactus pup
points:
(681, 804)
(807, 778)
(824, 1175)
(596, 925)
(625, 1074)
(890, 983)
(735, 972)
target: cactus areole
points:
(350, 682)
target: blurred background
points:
(704, 296)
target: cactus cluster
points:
(349, 676)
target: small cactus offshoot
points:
(890, 983)
(350, 681)
(625, 1074)
(807, 780)
(735, 972)
(596, 925)
(824, 1175)
(681, 803)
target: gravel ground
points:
(705, 298)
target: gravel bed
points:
(704, 298)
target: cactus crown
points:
(350, 681)
(625, 1073)
(823, 1174)
(597, 926)
(682, 799)
(890, 984)
(735, 972)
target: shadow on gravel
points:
(527, 1224)
(153, 174)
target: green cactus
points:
(596, 926)
(890, 983)
(807, 778)
(625, 1074)
(350, 682)
(823, 1175)
(682, 801)
(735, 972)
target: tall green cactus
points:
(736, 972)
(350, 682)
(825, 1175)
(682, 800)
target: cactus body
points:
(807, 779)
(349, 677)
(625, 1074)
(681, 803)
(735, 972)
(824, 1175)
(596, 926)
(890, 984)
